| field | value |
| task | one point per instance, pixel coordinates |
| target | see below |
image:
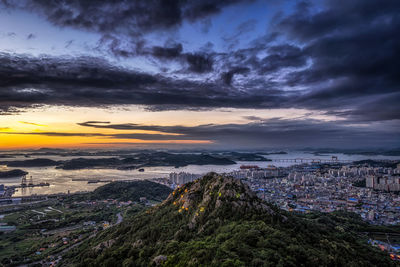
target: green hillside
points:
(218, 221)
(131, 191)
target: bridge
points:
(313, 160)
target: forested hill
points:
(131, 191)
(219, 221)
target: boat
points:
(141, 170)
(246, 167)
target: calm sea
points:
(61, 181)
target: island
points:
(39, 162)
(12, 173)
(138, 161)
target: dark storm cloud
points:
(353, 47)
(87, 81)
(129, 17)
(383, 108)
(337, 17)
(122, 23)
(340, 57)
(173, 51)
(199, 63)
(267, 132)
(255, 134)
(228, 76)
(282, 56)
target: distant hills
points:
(127, 162)
(31, 163)
(124, 161)
(219, 221)
(12, 173)
(133, 191)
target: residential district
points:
(372, 192)
(370, 189)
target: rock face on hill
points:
(219, 221)
(216, 197)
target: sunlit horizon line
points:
(108, 144)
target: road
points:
(119, 218)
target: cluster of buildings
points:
(377, 178)
(332, 188)
(246, 172)
(385, 183)
(2, 190)
(254, 172)
(371, 192)
(182, 178)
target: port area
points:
(6, 192)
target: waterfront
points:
(62, 181)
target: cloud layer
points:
(338, 57)
(341, 59)
(256, 134)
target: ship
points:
(245, 167)
(93, 181)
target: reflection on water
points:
(61, 181)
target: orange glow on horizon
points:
(29, 126)
(43, 132)
(10, 141)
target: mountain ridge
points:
(219, 221)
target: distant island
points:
(237, 156)
(31, 163)
(274, 153)
(146, 160)
(136, 161)
(12, 173)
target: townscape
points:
(324, 188)
(56, 223)
(221, 133)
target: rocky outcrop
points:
(158, 260)
(103, 245)
(216, 196)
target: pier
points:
(25, 184)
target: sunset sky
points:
(199, 74)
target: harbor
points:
(7, 192)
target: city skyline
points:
(230, 74)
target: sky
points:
(227, 74)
